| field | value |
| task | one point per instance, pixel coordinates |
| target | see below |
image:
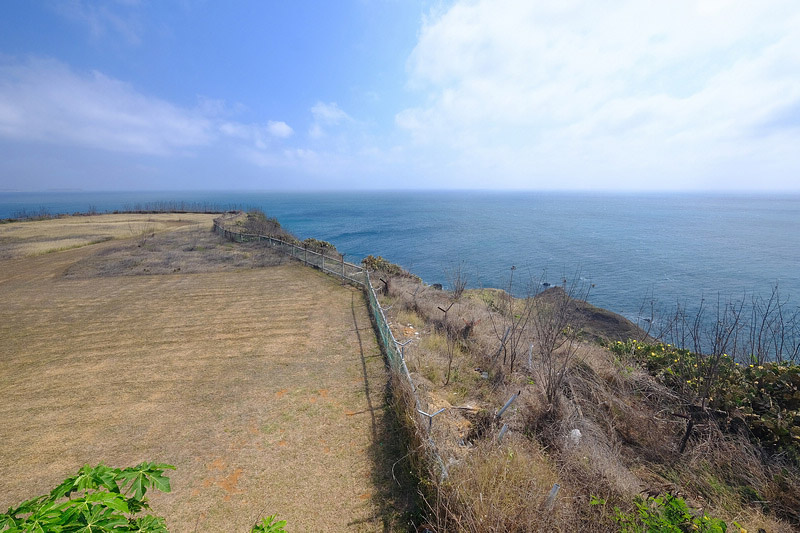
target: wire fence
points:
(391, 347)
(330, 265)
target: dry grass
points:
(498, 487)
(192, 249)
(628, 444)
(21, 239)
(264, 386)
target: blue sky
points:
(394, 94)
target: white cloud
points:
(606, 91)
(45, 101)
(257, 135)
(315, 131)
(328, 113)
(279, 129)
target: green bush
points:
(318, 245)
(766, 396)
(258, 223)
(380, 264)
(663, 514)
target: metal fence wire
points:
(330, 265)
(360, 277)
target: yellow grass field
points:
(263, 386)
(45, 236)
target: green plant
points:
(270, 524)
(258, 223)
(662, 514)
(102, 499)
(97, 498)
(318, 245)
(373, 263)
(766, 396)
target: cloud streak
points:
(105, 18)
(44, 101)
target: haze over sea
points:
(675, 247)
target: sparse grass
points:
(434, 343)
(407, 317)
(187, 250)
(263, 386)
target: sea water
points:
(628, 248)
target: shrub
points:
(766, 396)
(317, 245)
(665, 514)
(380, 264)
(258, 223)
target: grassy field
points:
(57, 234)
(263, 386)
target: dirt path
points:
(264, 387)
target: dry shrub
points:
(629, 437)
(627, 407)
(498, 487)
(188, 250)
(466, 319)
(586, 449)
(731, 475)
(630, 413)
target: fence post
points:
(342, 269)
(503, 431)
(551, 498)
(507, 405)
(323, 260)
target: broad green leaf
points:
(26, 507)
(269, 525)
(64, 488)
(143, 476)
(112, 500)
(149, 524)
(101, 506)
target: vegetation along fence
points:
(360, 277)
(337, 267)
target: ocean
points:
(628, 247)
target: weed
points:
(270, 524)
(663, 513)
